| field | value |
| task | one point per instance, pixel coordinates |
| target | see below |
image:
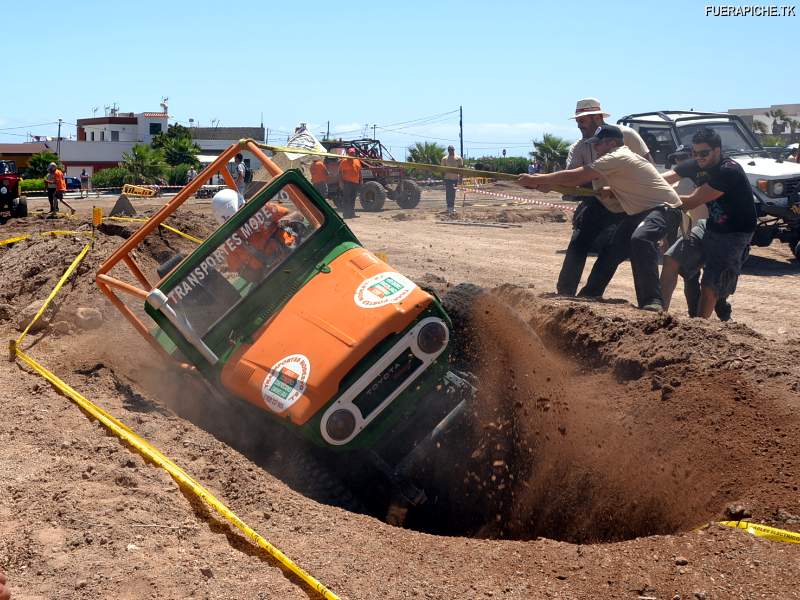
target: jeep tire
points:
(407, 194)
(20, 209)
(373, 196)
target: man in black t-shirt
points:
(724, 244)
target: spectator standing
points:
(532, 168)
(723, 244)
(593, 221)
(349, 181)
(84, 183)
(50, 186)
(451, 179)
(240, 176)
(191, 175)
(650, 203)
(319, 177)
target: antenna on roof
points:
(94, 110)
(164, 104)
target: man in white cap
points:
(593, 222)
(451, 179)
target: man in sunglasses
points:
(651, 209)
(721, 244)
(593, 223)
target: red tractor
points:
(11, 205)
(378, 180)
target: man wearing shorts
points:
(722, 244)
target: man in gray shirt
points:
(593, 222)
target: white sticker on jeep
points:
(286, 382)
(385, 288)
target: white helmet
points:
(225, 204)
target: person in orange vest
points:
(319, 177)
(350, 180)
(56, 186)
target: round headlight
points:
(777, 188)
(340, 424)
(3, 190)
(432, 337)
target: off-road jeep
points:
(11, 205)
(776, 183)
(283, 309)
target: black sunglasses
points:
(700, 153)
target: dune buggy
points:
(281, 308)
(775, 182)
(379, 181)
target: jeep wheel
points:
(763, 235)
(312, 478)
(20, 210)
(407, 194)
(372, 196)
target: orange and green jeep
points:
(281, 307)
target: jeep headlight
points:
(432, 337)
(778, 188)
(340, 425)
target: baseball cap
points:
(605, 132)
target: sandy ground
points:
(651, 426)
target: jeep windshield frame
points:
(263, 298)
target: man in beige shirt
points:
(451, 179)
(651, 204)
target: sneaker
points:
(653, 307)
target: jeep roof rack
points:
(673, 116)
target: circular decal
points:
(286, 382)
(382, 289)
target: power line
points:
(27, 126)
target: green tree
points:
(778, 119)
(429, 153)
(173, 132)
(37, 165)
(180, 151)
(551, 151)
(143, 164)
(500, 164)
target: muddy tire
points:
(407, 194)
(312, 478)
(372, 196)
(459, 301)
(21, 209)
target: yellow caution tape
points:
(765, 531)
(124, 433)
(149, 452)
(52, 295)
(55, 232)
(164, 225)
(571, 191)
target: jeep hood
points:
(767, 168)
(295, 363)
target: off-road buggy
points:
(283, 312)
(776, 183)
(378, 181)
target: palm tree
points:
(778, 120)
(760, 127)
(180, 151)
(551, 151)
(144, 164)
(429, 153)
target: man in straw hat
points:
(593, 223)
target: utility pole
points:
(58, 140)
(373, 130)
(461, 129)
(328, 131)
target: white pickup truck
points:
(776, 183)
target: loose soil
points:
(607, 436)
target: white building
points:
(774, 126)
(123, 127)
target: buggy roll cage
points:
(110, 285)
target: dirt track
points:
(658, 424)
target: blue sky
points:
(516, 67)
